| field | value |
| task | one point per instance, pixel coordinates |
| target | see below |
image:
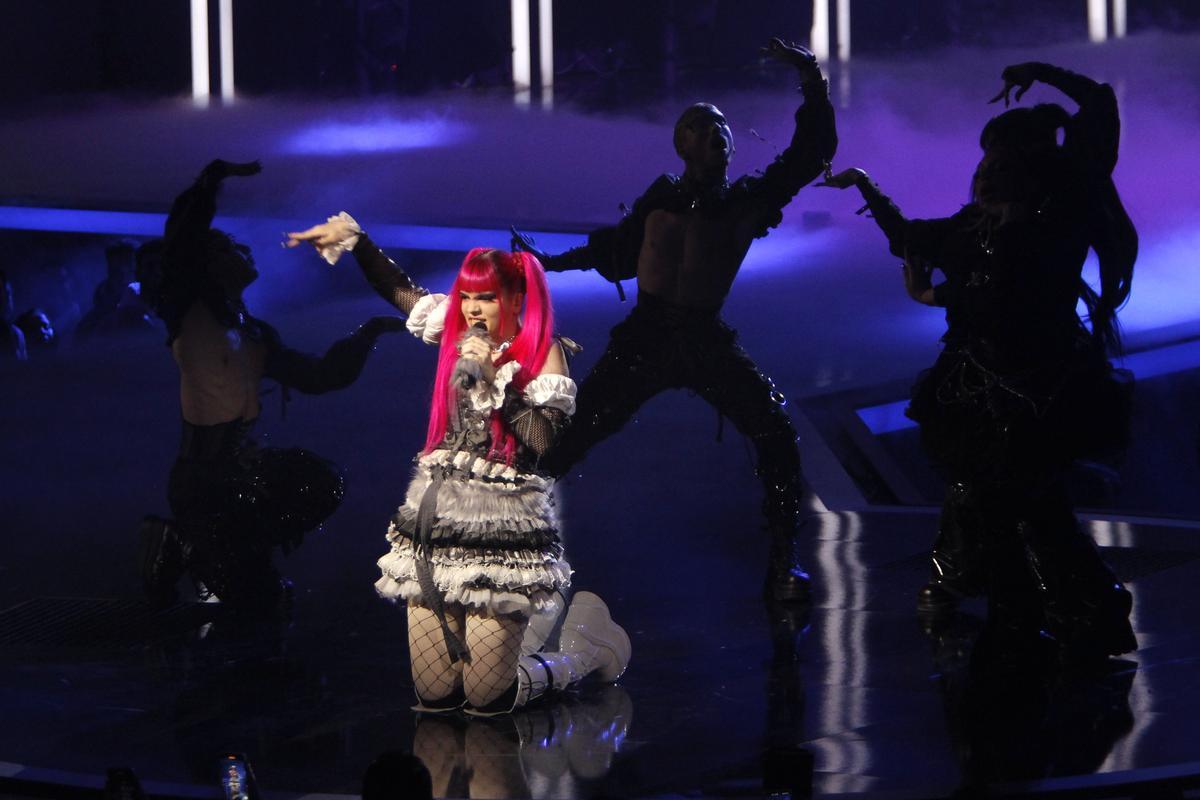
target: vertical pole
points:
(546, 50)
(546, 41)
(226, 36)
(843, 30)
(1119, 19)
(1097, 11)
(522, 79)
(819, 38)
(200, 84)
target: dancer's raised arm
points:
(192, 212)
(1092, 134)
(814, 139)
(907, 238)
(341, 365)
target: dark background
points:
(332, 47)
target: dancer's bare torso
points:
(219, 369)
(691, 260)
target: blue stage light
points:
(384, 134)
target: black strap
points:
(423, 545)
(546, 666)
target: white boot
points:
(542, 624)
(589, 642)
(596, 642)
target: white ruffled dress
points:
(494, 541)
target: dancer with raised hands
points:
(1022, 386)
(233, 501)
(684, 241)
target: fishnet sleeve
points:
(388, 280)
(538, 428)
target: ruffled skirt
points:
(493, 543)
(980, 425)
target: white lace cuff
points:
(489, 397)
(331, 253)
(427, 319)
(553, 391)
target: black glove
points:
(523, 243)
(219, 169)
(377, 326)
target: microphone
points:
(468, 372)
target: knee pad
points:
(455, 699)
(503, 704)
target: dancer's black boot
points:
(787, 582)
(1086, 608)
(955, 570)
(161, 559)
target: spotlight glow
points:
(379, 135)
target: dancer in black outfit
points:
(233, 502)
(684, 241)
(1022, 388)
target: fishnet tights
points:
(495, 647)
(494, 644)
(434, 677)
(438, 742)
(483, 761)
(494, 754)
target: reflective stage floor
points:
(725, 697)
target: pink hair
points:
(506, 274)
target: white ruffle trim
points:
(427, 319)
(478, 468)
(486, 397)
(497, 603)
(554, 391)
(332, 252)
(480, 497)
(520, 589)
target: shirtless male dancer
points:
(685, 241)
(233, 502)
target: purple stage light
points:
(384, 134)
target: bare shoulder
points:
(556, 361)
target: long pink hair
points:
(506, 274)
